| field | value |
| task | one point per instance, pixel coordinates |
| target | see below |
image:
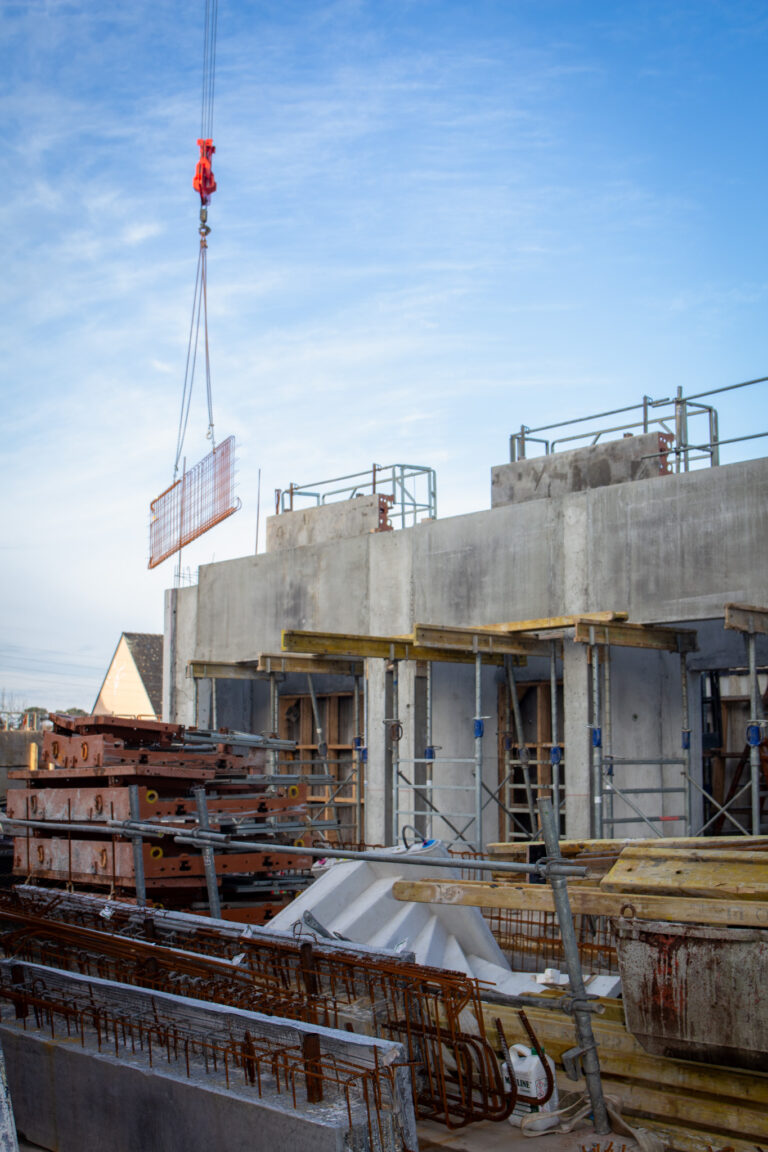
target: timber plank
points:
(380, 647)
(622, 1057)
(584, 901)
(726, 875)
(746, 618)
(552, 623)
(635, 636)
(478, 640)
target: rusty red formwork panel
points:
(252, 913)
(202, 498)
(98, 804)
(112, 861)
(114, 773)
(132, 729)
(99, 750)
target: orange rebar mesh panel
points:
(204, 496)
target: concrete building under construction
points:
(447, 823)
(576, 632)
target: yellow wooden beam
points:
(219, 670)
(329, 665)
(682, 1092)
(746, 618)
(377, 647)
(628, 635)
(585, 901)
(554, 623)
(478, 640)
(609, 849)
(727, 875)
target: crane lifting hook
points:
(204, 181)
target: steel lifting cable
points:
(205, 184)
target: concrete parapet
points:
(596, 466)
(326, 522)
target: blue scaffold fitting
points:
(508, 743)
(429, 753)
(753, 735)
(364, 755)
(555, 755)
(686, 739)
(357, 742)
(597, 737)
(479, 729)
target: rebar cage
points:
(202, 498)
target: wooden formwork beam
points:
(475, 640)
(555, 623)
(627, 635)
(221, 670)
(585, 901)
(746, 618)
(379, 647)
(308, 662)
(686, 1095)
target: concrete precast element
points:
(437, 1015)
(327, 522)
(578, 469)
(87, 1042)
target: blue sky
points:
(435, 221)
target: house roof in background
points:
(146, 648)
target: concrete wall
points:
(672, 549)
(596, 466)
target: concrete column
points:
(179, 645)
(378, 787)
(576, 692)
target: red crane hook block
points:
(204, 182)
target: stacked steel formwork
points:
(98, 772)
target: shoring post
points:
(508, 793)
(607, 754)
(429, 756)
(521, 745)
(209, 857)
(394, 744)
(138, 847)
(479, 726)
(358, 761)
(686, 740)
(554, 753)
(582, 1017)
(597, 742)
(753, 732)
(274, 720)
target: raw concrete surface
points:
(593, 466)
(324, 522)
